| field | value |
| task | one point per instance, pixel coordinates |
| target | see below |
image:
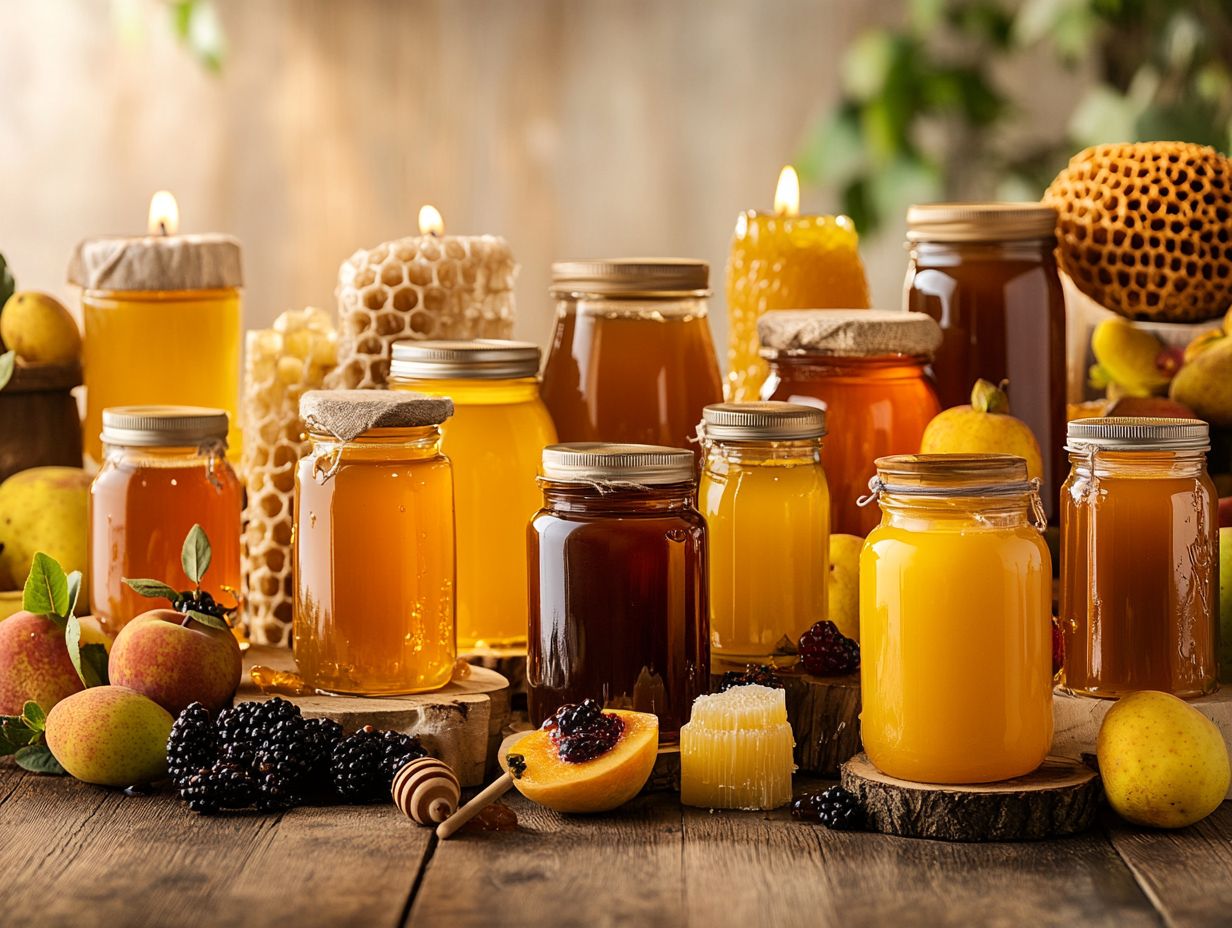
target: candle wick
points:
(162, 227)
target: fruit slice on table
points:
(984, 427)
(598, 782)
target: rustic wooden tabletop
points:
(78, 855)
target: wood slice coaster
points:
(460, 724)
(1060, 798)
(511, 667)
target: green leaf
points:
(74, 591)
(152, 589)
(196, 554)
(8, 361)
(46, 591)
(37, 758)
(15, 734)
(8, 286)
(90, 660)
(212, 621)
(34, 716)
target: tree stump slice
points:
(1062, 797)
(512, 667)
(460, 724)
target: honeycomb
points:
(420, 287)
(280, 364)
(1144, 229)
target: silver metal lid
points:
(1131, 433)
(980, 222)
(632, 277)
(600, 462)
(163, 426)
(484, 359)
(768, 421)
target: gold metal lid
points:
(767, 421)
(632, 277)
(980, 222)
(1132, 433)
(848, 333)
(484, 359)
(163, 426)
(600, 462)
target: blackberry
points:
(248, 722)
(752, 675)
(362, 765)
(517, 765)
(834, 807)
(583, 731)
(322, 735)
(192, 745)
(827, 652)
(202, 601)
(220, 786)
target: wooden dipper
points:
(426, 790)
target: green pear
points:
(1204, 383)
(111, 736)
(45, 509)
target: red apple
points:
(34, 663)
(175, 660)
(1225, 512)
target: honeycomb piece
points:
(281, 363)
(1143, 229)
(421, 287)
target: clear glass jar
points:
(632, 359)
(956, 621)
(164, 470)
(987, 273)
(767, 506)
(494, 440)
(618, 594)
(374, 552)
(1139, 559)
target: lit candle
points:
(426, 286)
(162, 320)
(783, 260)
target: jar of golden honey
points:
(986, 272)
(767, 506)
(632, 359)
(867, 369)
(1139, 559)
(164, 470)
(618, 594)
(374, 544)
(956, 620)
(494, 440)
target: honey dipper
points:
(426, 791)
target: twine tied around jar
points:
(214, 450)
(1039, 519)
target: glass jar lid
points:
(848, 333)
(604, 463)
(766, 421)
(163, 426)
(347, 414)
(484, 359)
(1132, 433)
(980, 222)
(628, 277)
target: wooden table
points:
(77, 855)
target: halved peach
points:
(598, 785)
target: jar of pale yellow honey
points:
(767, 506)
(494, 439)
(956, 620)
(374, 544)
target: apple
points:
(34, 663)
(174, 660)
(1225, 512)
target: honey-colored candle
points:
(162, 321)
(783, 260)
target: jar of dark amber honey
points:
(618, 583)
(986, 272)
(1139, 559)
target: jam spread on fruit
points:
(583, 731)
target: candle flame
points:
(787, 194)
(430, 221)
(164, 214)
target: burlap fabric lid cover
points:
(347, 414)
(848, 333)
(157, 262)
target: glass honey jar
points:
(494, 440)
(867, 369)
(1139, 559)
(373, 544)
(767, 506)
(618, 587)
(632, 359)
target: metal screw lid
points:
(600, 462)
(980, 222)
(1132, 433)
(163, 426)
(632, 277)
(769, 421)
(484, 358)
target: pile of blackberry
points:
(204, 602)
(827, 652)
(834, 807)
(583, 731)
(267, 755)
(752, 675)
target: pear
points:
(1131, 357)
(40, 329)
(984, 427)
(1204, 384)
(844, 587)
(111, 736)
(45, 509)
